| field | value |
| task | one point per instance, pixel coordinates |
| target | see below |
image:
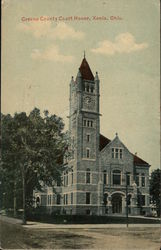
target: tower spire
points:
(84, 54)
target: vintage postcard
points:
(80, 124)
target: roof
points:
(139, 161)
(86, 71)
(103, 142)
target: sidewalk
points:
(40, 225)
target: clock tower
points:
(84, 131)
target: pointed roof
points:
(86, 71)
(103, 141)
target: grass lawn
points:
(16, 237)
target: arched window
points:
(88, 176)
(116, 177)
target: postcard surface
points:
(96, 65)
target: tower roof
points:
(86, 71)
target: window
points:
(71, 198)
(105, 177)
(88, 123)
(141, 200)
(87, 88)
(113, 154)
(49, 199)
(88, 176)
(92, 89)
(88, 196)
(120, 153)
(117, 153)
(142, 180)
(137, 179)
(72, 177)
(66, 199)
(128, 179)
(58, 199)
(64, 178)
(67, 178)
(116, 177)
(88, 138)
(87, 153)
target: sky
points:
(42, 47)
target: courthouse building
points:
(100, 174)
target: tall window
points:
(67, 178)
(58, 199)
(141, 200)
(88, 198)
(66, 199)
(104, 177)
(87, 152)
(72, 177)
(128, 179)
(88, 138)
(88, 176)
(117, 153)
(71, 198)
(143, 180)
(116, 177)
(137, 179)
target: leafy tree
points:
(155, 189)
(32, 151)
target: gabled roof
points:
(103, 142)
(86, 71)
(139, 161)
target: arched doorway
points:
(116, 203)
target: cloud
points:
(62, 31)
(52, 53)
(123, 43)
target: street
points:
(15, 236)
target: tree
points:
(32, 151)
(155, 189)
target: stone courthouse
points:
(100, 174)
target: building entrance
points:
(116, 203)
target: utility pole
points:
(127, 212)
(24, 195)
